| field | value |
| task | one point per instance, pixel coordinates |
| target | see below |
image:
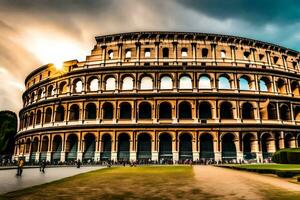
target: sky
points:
(38, 32)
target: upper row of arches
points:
(167, 82)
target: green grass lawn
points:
(268, 166)
(149, 182)
(162, 182)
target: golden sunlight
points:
(53, 47)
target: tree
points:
(8, 130)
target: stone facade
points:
(164, 96)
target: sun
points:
(53, 48)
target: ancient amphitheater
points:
(164, 96)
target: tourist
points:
(78, 163)
(43, 166)
(20, 167)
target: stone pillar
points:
(154, 156)
(132, 156)
(97, 156)
(218, 156)
(213, 49)
(233, 56)
(156, 52)
(114, 155)
(259, 157)
(79, 155)
(175, 156)
(63, 156)
(48, 156)
(281, 140)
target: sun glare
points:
(53, 48)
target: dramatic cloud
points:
(33, 33)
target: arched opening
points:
(93, 84)
(166, 83)
(295, 88)
(60, 114)
(205, 110)
(228, 147)
(127, 53)
(185, 110)
(89, 147)
(184, 52)
(56, 148)
(40, 94)
(267, 145)
(50, 91)
(108, 110)
(110, 84)
(77, 86)
(185, 82)
(34, 149)
(27, 146)
(288, 141)
(63, 89)
(226, 110)
(48, 115)
(38, 117)
(204, 82)
(106, 147)
(206, 146)
(74, 112)
(127, 83)
(284, 112)
(297, 113)
(25, 120)
(123, 147)
(185, 147)
(165, 53)
(249, 146)
(44, 148)
(145, 110)
(272, 111)
(144, 147)
(204, 53)
(90, 111)
(224, 82)
(264, 84)
(125, 110)
(31, 119)
(244, 83)
(247, 111)
(110, 54)
(165, 110)
(281, 86)
(223, 54)
(146, 83)
(165, 148)
(71, 147)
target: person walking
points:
(20, 167)
(78, 163)
(43, 166)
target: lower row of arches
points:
(229, 146)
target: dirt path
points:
(232, 184)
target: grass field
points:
(157, 182)
(268, 166)
(120, 183)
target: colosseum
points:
(164, 96)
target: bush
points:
(287, 156)
(285, 174)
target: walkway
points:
(10, 182)
(232, 184)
